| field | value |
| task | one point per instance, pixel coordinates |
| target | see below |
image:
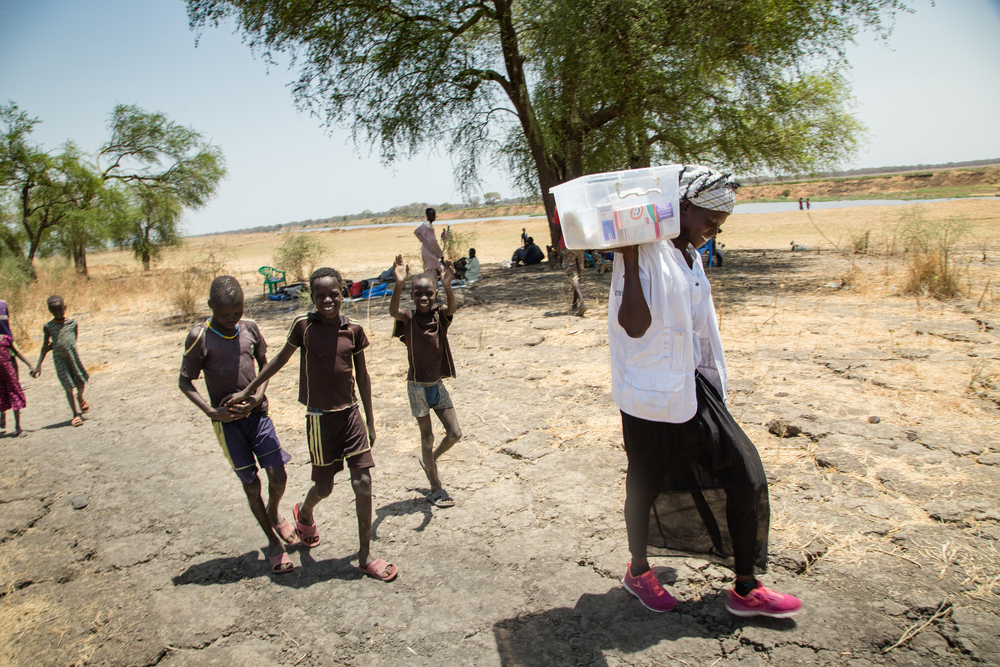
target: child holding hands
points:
(59, 336)
(225, 348)
(332, 354)
(425, 333)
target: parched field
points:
(886, 502)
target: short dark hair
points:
(530, 240)
(225, 290)
(53, 300)
(423, 276)
(472, 252)
(325, 272)
(430, 211)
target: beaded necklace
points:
(208, 325)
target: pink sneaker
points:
(763, 602)
(648, 589)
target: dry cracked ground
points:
(885, 494)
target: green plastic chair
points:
(272, 278)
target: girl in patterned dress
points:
(11, 394)
(60, 338)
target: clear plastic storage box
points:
(619, 208)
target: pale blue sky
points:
(931, 95)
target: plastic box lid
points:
(619, 208)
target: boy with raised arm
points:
(425, 333)
(332, 354)
(225, 348)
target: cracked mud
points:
(881, 526)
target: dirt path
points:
(879, 527)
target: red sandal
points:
(308, 534)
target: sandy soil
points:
(886, 508)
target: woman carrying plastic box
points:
(695, 482)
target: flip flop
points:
(281, 563)
(84, 406)
(305, 532)
(380, 570)
(286, 531)
(440, 498)
(77, 421)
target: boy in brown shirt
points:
(425, 333)
(225, 348)
(332, 364)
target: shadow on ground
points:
(615, 622)
(252, 565)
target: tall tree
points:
(563, 87)
(144, 176)
(162, 168)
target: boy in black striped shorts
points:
(332, 359)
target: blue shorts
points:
(245, 439)
(425, 396)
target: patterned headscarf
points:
(708, 188)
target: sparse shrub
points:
(298, 254)
(192, 291)
(15, 275)
(861, 242)
(928, 249)
(786, 192)
(457, 244)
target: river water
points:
(768, 207)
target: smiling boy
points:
(332, 364)
(425, 333)
(225, 349)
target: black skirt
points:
(701, 476)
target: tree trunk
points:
(80, 258)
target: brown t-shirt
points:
(326, 371)
(229, 364)
(426, 338)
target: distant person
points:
(430, 250)
(808, 204)
(800, 203)
(472, 267)
(517, 259)
(11, 393)
(225, 348)
(424, 331)
(532, 253)
(524, 236)
(331, 365)
(572, 263)
(601, 263)
(59, 336)
(13, 356)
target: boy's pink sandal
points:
(281, 563)
(287, 532)
(380, 570)
(308, 534)
(77, 420)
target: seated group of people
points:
(528, 253)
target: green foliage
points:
(298, 254)
(491, 198)
(65, 203)
(554, 90)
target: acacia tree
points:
(162, 168)
(563, 87)
(152, 169)
(42, 188)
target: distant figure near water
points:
(430, 250)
